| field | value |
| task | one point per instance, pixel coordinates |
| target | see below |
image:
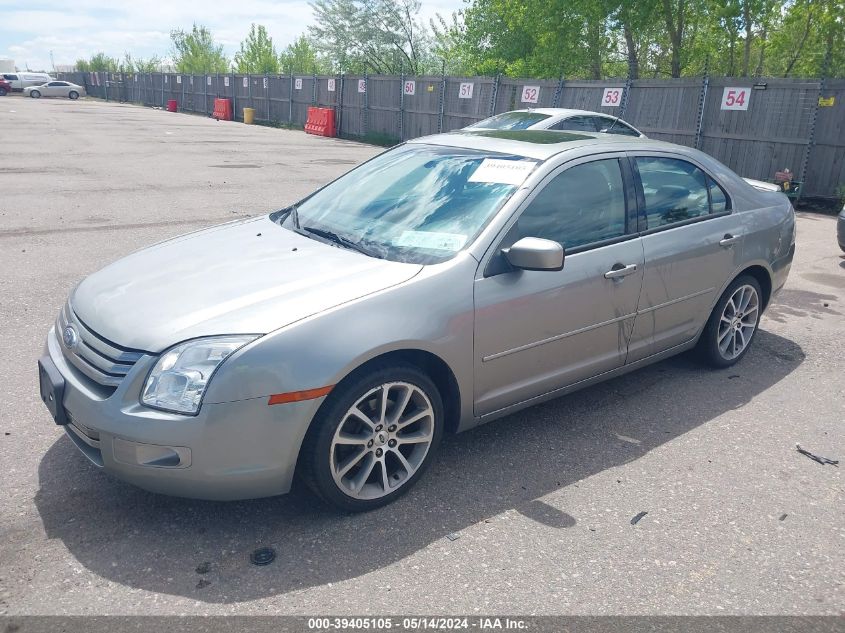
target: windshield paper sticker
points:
(503, 172)
(436, 241)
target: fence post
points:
(493, 96)
(625, 93)
(366, 124)
(314, 91)
(290, 100)
(402, 105)
(812, 140)
(702, 98)
(558, 92)
(442, 100)
(339, 100)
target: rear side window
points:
(719, 201)
(582, 205)
(576, 124)
(674, 190)
(617, 127)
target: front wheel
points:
(73, 94)
(2, 92)
(733, 323)
(35, 94)
(373, 438)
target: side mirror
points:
(534, 253)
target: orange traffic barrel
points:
(171, 105)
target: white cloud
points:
(80, 28)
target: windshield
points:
(415, 203)
(511, 121)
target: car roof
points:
(565, 112)
(540, 144)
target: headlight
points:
(180, 376)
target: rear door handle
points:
(619, 271)
(728, 240)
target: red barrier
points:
(320, 122)
(222, 109)
(172, 105)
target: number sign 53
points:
(612, 97)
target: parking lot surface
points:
(531, 514)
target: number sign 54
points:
(735, 98)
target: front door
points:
(537, 331)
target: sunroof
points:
(542, 137)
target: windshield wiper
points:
(340, 239)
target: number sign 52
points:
(530, 94)
(612, 97)
(735, 98)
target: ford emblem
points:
(70, 337)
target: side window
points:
(719, 201)
(624, 130)
(11, 77)
(55, 83)
(674, 190)
(576, 124)
(581, 205)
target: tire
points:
(73, 95)
(35, 94)
(342, 452)
(730, 330)
(2, 92)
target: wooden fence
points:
(756, 126)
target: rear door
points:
(692, 244)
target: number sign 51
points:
(735, 98)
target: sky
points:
(73, 29)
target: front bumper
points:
(235, 450)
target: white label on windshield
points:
(428, 239)
(504, 172)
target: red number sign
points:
(531, 94)
(735, 98)
(612, 97)
(410, 88)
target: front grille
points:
(100, 360)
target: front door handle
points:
(728, 240)
(618, 271)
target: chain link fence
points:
(756, 126)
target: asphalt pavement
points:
(673, 490)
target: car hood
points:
(247, 277)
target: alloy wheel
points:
(738, 322)
(382, 440)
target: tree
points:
(257, 53)
(302, 58)
(382, 36)
(139, 65)
(197, 53)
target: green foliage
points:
(376, 36)
(257, 53)
(302, 58)
(99, 62)
(197, 53)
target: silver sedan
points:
(563, 119)
(55, 89)
(443, 284)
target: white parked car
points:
(22, 80)
(55, 89)
(558, 119)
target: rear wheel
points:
(35, 94)
(2, 92)
(733, 323)
(374, 439)
(73, 94)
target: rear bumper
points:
(235, 450)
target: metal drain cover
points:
(262, 556)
